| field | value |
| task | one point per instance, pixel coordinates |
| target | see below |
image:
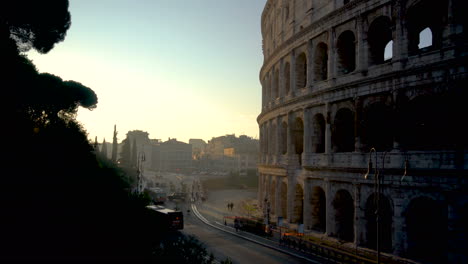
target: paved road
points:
(224, 245)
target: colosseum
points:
(363, 103)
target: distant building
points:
(231, 153)
(198, 147)
(171, 155)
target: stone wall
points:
(358, 87)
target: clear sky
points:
(173, 68)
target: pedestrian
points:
(232, 206)
(236, 224)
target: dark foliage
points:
(35, 24)
(60, 199)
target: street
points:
(224, 245)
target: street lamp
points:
(378, 179)
(267, 213)
(141, 159)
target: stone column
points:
(360, 220)
(449, 33)
(307, 137)
(328, 145)
(307, 206)
(330, 211)
(357, 124)
(399, 238)
(331, 55)
(282, 93)
(267, 89)
(310, 70)
(397, 130)
(400, 39)
(278, 140)
(290, 145)
(263, 94)
(362, 58)
(259, 194)
(291, 194)
(271, 144)
(262, 144)
(292, 76)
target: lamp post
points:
(141, 159)
(267, 213)
(378, 179)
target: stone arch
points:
(298, 206)
(422, 15)
(429, 128)
(343, 131)
(343, 204)
(346, 51)
(318, 139)
(321, 62)
(284, 200)
(287, 78)
(284, 138)
(385, 222)
(426, 227)
(301, 71)
(377, 127)
(318, 202)
(378, 36)
(298, 135)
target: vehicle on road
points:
(158, 195)
(167, 219)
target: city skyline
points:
(130, 55)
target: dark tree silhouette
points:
(34, 24)
(59, 200)
(114, 145)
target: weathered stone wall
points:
(350, 88)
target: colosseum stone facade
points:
(376, 88)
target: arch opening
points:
(346, 50)
(426, 225)
(284, 200)
(272, 198)
(321, 62)
(276, 85)
(318, 210)
(298, 212)
(318, 139)
(344, 215)
(426, 22)
(425, 38)
(298, 135)
(380, 41)
(343, 131)
(301, 71)
(287, 78)
(378, 127)
(385, 223)
(284, 138)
